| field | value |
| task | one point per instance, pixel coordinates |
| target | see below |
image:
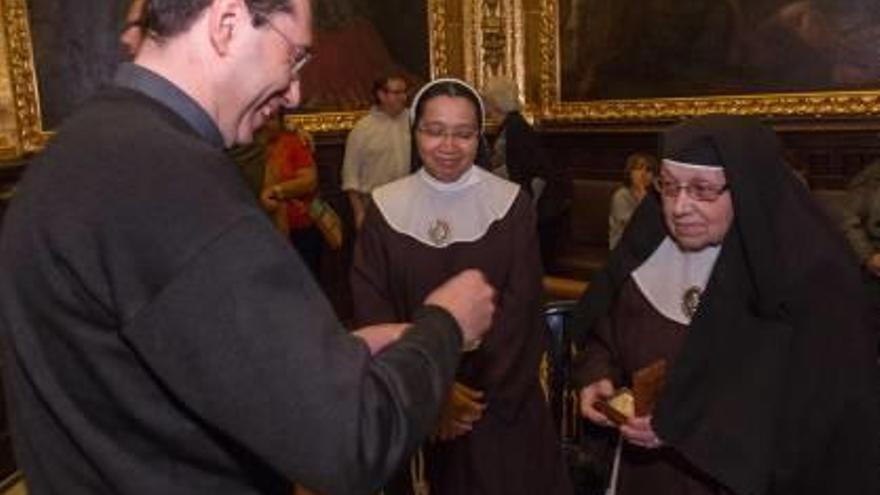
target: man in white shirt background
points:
(377, 151)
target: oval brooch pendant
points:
(439, 232)
(690, 301)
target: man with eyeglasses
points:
(164, 338)
(377, 150)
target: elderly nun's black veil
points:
(775, 388)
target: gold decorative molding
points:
(8, 123)
(548, 52)
(437, 28)
(19, 69)
(327, 122)
(498, 40)
(493, 37)
(826, 106)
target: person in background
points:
(135, 28)
(495, 434)
(860, 221)
(637, 177)
(734, 276)
(290, 192)
(161, 337)
(518, 156)
(377, 150)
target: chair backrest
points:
(590, 206)
(833, 201)
(557, 315)
(587, 449)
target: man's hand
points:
(380, 336)
(463, 409)
(592, 393)
(470, 300)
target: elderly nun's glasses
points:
(699, 191)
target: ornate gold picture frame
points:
(20, 127)
(451, 26)
(820, 105)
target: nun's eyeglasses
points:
(699, 191)
(461, 135)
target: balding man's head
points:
(168, 18)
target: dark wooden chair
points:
(586, 448)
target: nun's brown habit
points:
(774, 389)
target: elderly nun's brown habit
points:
(774, 389)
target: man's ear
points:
(226, 19)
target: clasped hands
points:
(637, 431)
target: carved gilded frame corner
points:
(21, 129)
(544, 66)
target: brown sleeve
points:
(510, 355)
(596, 360)
(370, 284)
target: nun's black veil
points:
(775, 389)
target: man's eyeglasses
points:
(461, 135)
(699, 191)
(299, 55)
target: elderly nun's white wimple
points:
(673, 280)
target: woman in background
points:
(637, 177)
(495, 436)
(290, 192)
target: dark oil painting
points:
(358, 41)
(631, 49)
(76, 50)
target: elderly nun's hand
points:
(592, 393)
(638, 431)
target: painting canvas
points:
(76, 50)
(637, 49)
(357, 41)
